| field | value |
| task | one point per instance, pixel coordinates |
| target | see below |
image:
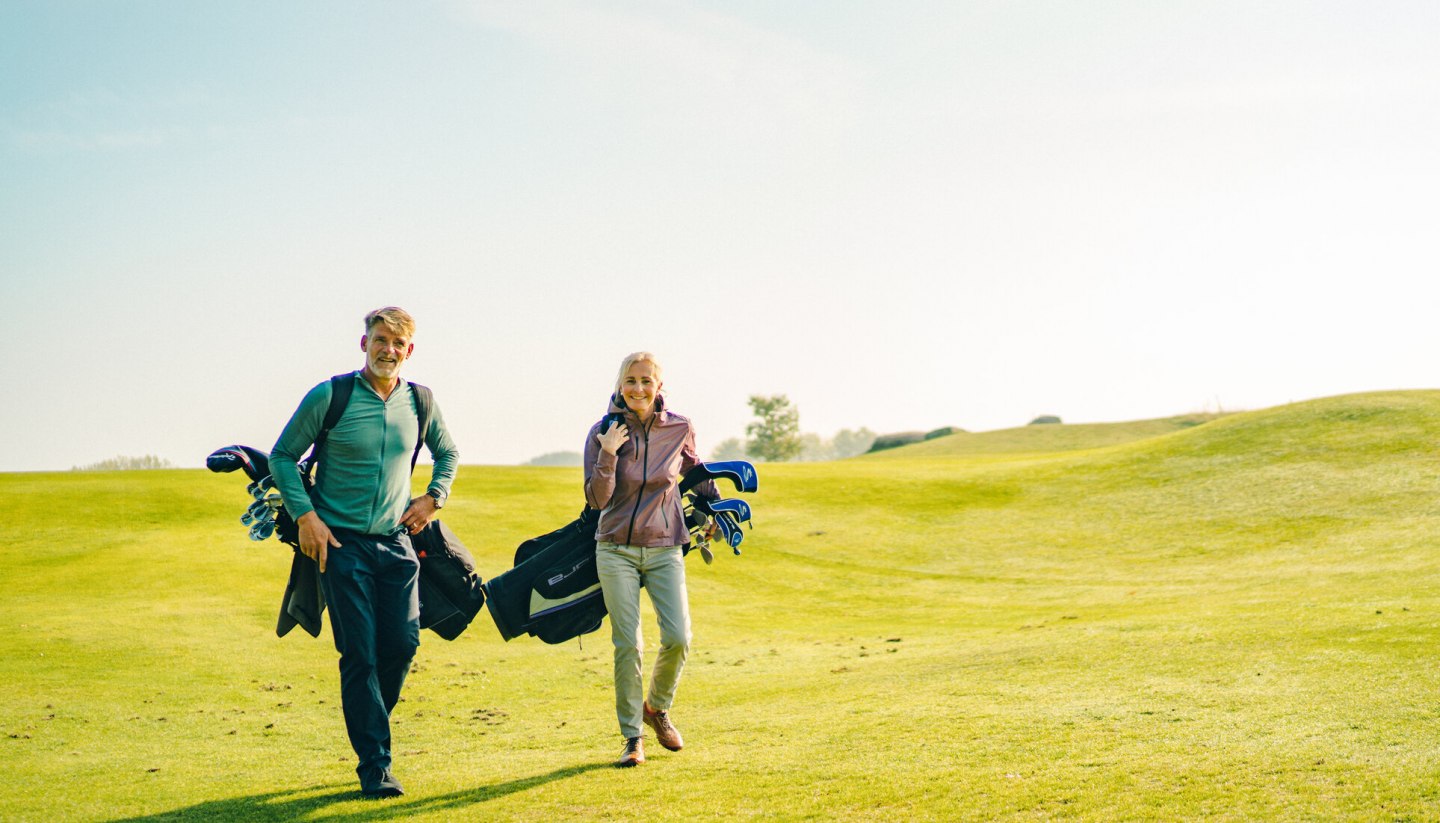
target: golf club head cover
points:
(230, 458)
(730, 530)
(739, 509)
(739, 472)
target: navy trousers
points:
(374, 601)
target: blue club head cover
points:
(739, 472)
(730, 530)
(738, 508)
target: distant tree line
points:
(556, 459)
(775, 437)
(123, 463)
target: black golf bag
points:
(553, 592)
(450, 592)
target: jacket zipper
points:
(644, 477)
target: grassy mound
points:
(1232, 620)
(1042, 439)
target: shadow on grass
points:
(310, 804)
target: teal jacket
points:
(363, 482)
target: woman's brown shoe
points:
(665, 731)
(634, 753)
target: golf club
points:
(259, 487)
(262, 529)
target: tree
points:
(775, 435)
(850, 443)
(814, 448)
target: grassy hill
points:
(1236, 620)
(1046, 438)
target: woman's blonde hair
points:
(633, 358)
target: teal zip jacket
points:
(363, 483)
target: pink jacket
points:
(637, 489)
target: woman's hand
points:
(614, 438)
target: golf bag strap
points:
(341, 387)
(424, 402)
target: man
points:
(356, 525)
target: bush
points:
(849, 443)
(730, 449)
(1044, 419)
(944, 431)
(894, 441)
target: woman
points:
(633, 462)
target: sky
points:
(902, 215)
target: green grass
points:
(1235, 620)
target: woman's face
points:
(640, 387)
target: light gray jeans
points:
(623, 569)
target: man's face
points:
(385, 350)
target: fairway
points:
(1232, 618)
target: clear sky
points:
(904, 215)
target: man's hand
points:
(418, 516)
(315, 538)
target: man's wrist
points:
(437, 496)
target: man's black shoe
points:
(385, 785)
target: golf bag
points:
(553, 591)
(450, 590)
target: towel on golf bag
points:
(553, 592)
